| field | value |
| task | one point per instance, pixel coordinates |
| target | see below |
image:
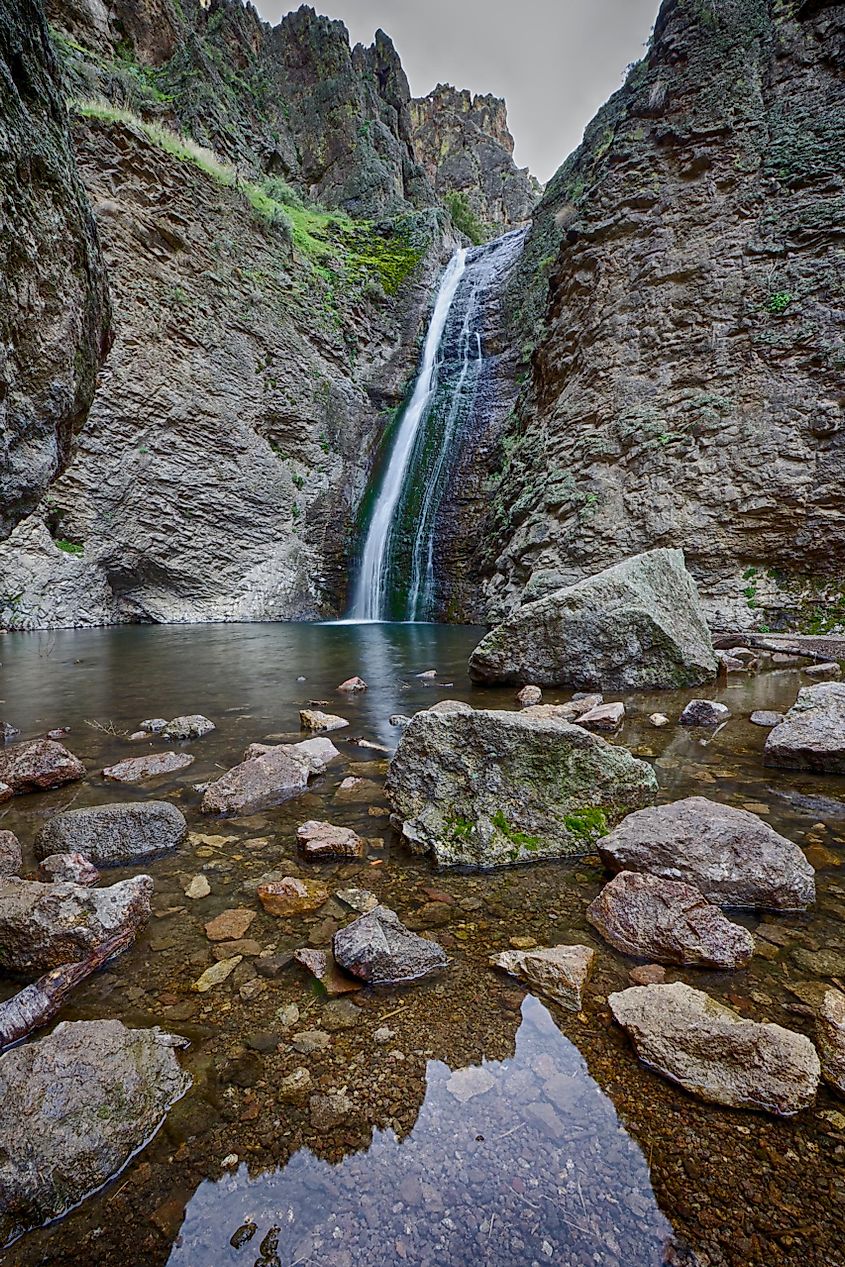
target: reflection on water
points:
(522, 1160)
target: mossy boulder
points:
(636, 625)
(493, 788)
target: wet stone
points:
(11, 859)
(244, 947)
(330, 1111)
(229, 925)
(272, 966)
(181, 729)
(377, 948)
(291, 897)
(704, 712)
(216, 974)
(73, 867)
(139, 769)
(762, 717)
(339, 1014)
(318, 840)
(560, 972)
(295, 1088)
(37, 765)
(314, 719)
(321, 965)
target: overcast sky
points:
(554, 61)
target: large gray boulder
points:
(75, 1106)
(112, 834)
(636, 625)
(379, 949)
(714, 1053)
(667, 922)
(730, 855)
(490, 788)
(274, 775)
(44, 925)
(812, 735)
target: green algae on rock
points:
(492, 788)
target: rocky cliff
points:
(464, 143)
(54, 313)
(680, 312)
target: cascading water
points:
(395, 578)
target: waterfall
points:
(395, 577)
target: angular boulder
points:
(730, 855)
(319, 841)
(559, 972)
(194, 726)
(75, 1106)
(73, 867)
(811, 736)
(37, 765)
(269, 779)
(666, 921)
(44, 925)
(714, 1053)
(11, 859)
(108, 835)
(489, 788)
(379, 949)
(152, 766)
(704, 712)
(314, 719)
(830, 1039)
(636, 625)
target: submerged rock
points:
(44, 925)
(229, 925)
(378, 949)
(75, 1106)
(274, 776)
(636, 625)
(326, 840)
(730, 855)
(824, 672)
(37, 765)
(313, 719)
(139, 769)
(714, 1053)
(193, 727)
(489, 788)
(112, 834)
(704, 712)
(321, 965)
(559, 972)
(763, 717)
(72, 866)
(291, 896)
(11, 859)
(830, 1039)
(353, 685)
(671, 922)
(8, 732)
(811, 736)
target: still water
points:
(470, 1122)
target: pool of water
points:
(479, 1124)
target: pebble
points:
(310, 1040)
(197, 888)
(216, 974)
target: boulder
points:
(830, 1039)
(193, 727)
(353, 685)
(559, 972)
(730, 855)
(11, 859)
(8, 732)
(637, 625)
(129, 831)
(763, 717)
(38, 764)
(715, 1054)
(824, 672)
(73, 867)
(603, 717)
(326, 840)
(153, 725)
(274, 776)
(489, 788)
(669, 922)
(151, 766)
(290, 896)
(529, 696)
(313, 719)
(75, 1107)
(811, 736)
(378, 949)
(44, 925)
(704, 712)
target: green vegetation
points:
(460, 827)
(464, 218)
(69, 547)
(779, 302)
(587, 824)
(519, 838)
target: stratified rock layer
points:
(490, 788)
(636, 625)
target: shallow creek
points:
(485, 1125)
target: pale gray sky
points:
(554, 61)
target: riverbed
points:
(484, 1125)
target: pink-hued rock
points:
(150, 766)
(73, 866)
(353, 684)
(326, 840)
(38, 764)
(276, 775)
(229, 925)
(603, 717)
(322, 966)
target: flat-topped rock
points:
(379, 949)
(38, 764)
(491, 788)
(730, 855)
(636, 625)
(667, 921)
(314, 719)
(714, 1053)
(559, 972)
(108, 835)
(151, 766)
(603, 717)
(317, 840)
(274, 776)
(812, 735)
(765, 717)
(291, 896)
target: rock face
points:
(491, 788)
(44, 925)
(560, 972)
(111, 834)
(37, 765)
(378, 949)
(650, 417)
(664, 920)
(277, 775)
(636, 625)
(830, 1039)
(731, 856)
(715, 1054)
(74, 1107)
(465, 146)
(812, 735)
(55, 315)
